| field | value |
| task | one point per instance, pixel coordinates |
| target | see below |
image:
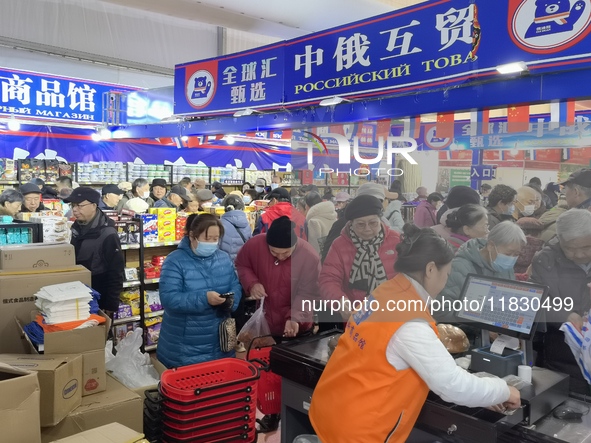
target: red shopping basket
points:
(209, 380)
(269, 384)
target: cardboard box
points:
(37, 256)
(116, 405)
(17, 299)
(60, 378)
(20, 398)
(111, 433)
(164, 213)
(89, 342)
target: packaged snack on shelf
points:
(65, 170)
(167, 235)
(55, 229)
(51, 170)
(121, 331)
(153, 300)
(128, 295)
(8, 169)
(153, 332)
(38, 168)
(166, 224)
(26, 174)
(121, 228)
(131, 274)
(133, 233)
(151, 271)
(164, 213)
(124, 311)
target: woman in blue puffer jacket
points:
(237, 230)
(192, 279)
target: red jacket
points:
(334, 277)
(278, 210)
(287, 284)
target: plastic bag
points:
(130, 366)
(256, 326)
(453, 338)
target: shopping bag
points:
(256, 326)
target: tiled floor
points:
(271, 437)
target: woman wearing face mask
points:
(492, 257)
(192, 281)
(259, 187)
(467, 222)
(501, 205)
(250, 195)
(426, 212)
(139, 188)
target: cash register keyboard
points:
(506, 318)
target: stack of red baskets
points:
(213, 402)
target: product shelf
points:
(122, 321)
(131, 284)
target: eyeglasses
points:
(362, 225)
(78, 206)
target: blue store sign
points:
(426, 46)
(42, 96)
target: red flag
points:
(445, 125)
(518, 118)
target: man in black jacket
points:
(97, 247)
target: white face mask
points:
(247, 200)
(528, 210)
(259, 189)
(146, 195)
(274, 185)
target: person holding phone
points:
(196, 284)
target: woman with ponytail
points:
(467, 222)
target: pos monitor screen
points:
(505, 306)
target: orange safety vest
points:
(361, 397)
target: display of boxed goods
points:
(150, 223)
(194, 172)
(227, 176)
(124, 311)
(51, 170)
(111, 433)
(8, 170)
(117, 404)
(20, 397)
(60, 379)
(151, 271)
(164, 213)
(131, 274)
(252, 175)
(37, 256)
(101, 172)
(149, 172)
(55, 229)
(15, 236)
(167, 235)
(180, 223)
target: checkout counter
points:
(301, 362)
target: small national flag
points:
(412, 127)
(518, 118)
(562, 112)
(479, 122)
(445, 125)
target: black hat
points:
(281, 233)
(29, 188)
(460, 196)
(112, 189)
(159, 182)
(38, 182)
(216, 185)
(363, 206)
(279, 193)
(81, 194)
(582, 177)
(181, 192)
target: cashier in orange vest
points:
(378, 377)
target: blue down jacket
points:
(190, 327)
(231, 241)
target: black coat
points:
(99, 251)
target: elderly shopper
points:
(176, 198)
(279, 206)
(492, 257)
(577, 189)
(501, 205)
(10, 202)
(140, 188)
(237, 229)
(320, 216)
(426, 212)
(458, 196)
(31, 198)
(564, 265)
(363, 256)
(193, 280)
(468, 222)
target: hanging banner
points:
(49, 97)
(429, 45)
(250, 79)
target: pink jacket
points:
(287, 284)
(425, 215)
(334, 277)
